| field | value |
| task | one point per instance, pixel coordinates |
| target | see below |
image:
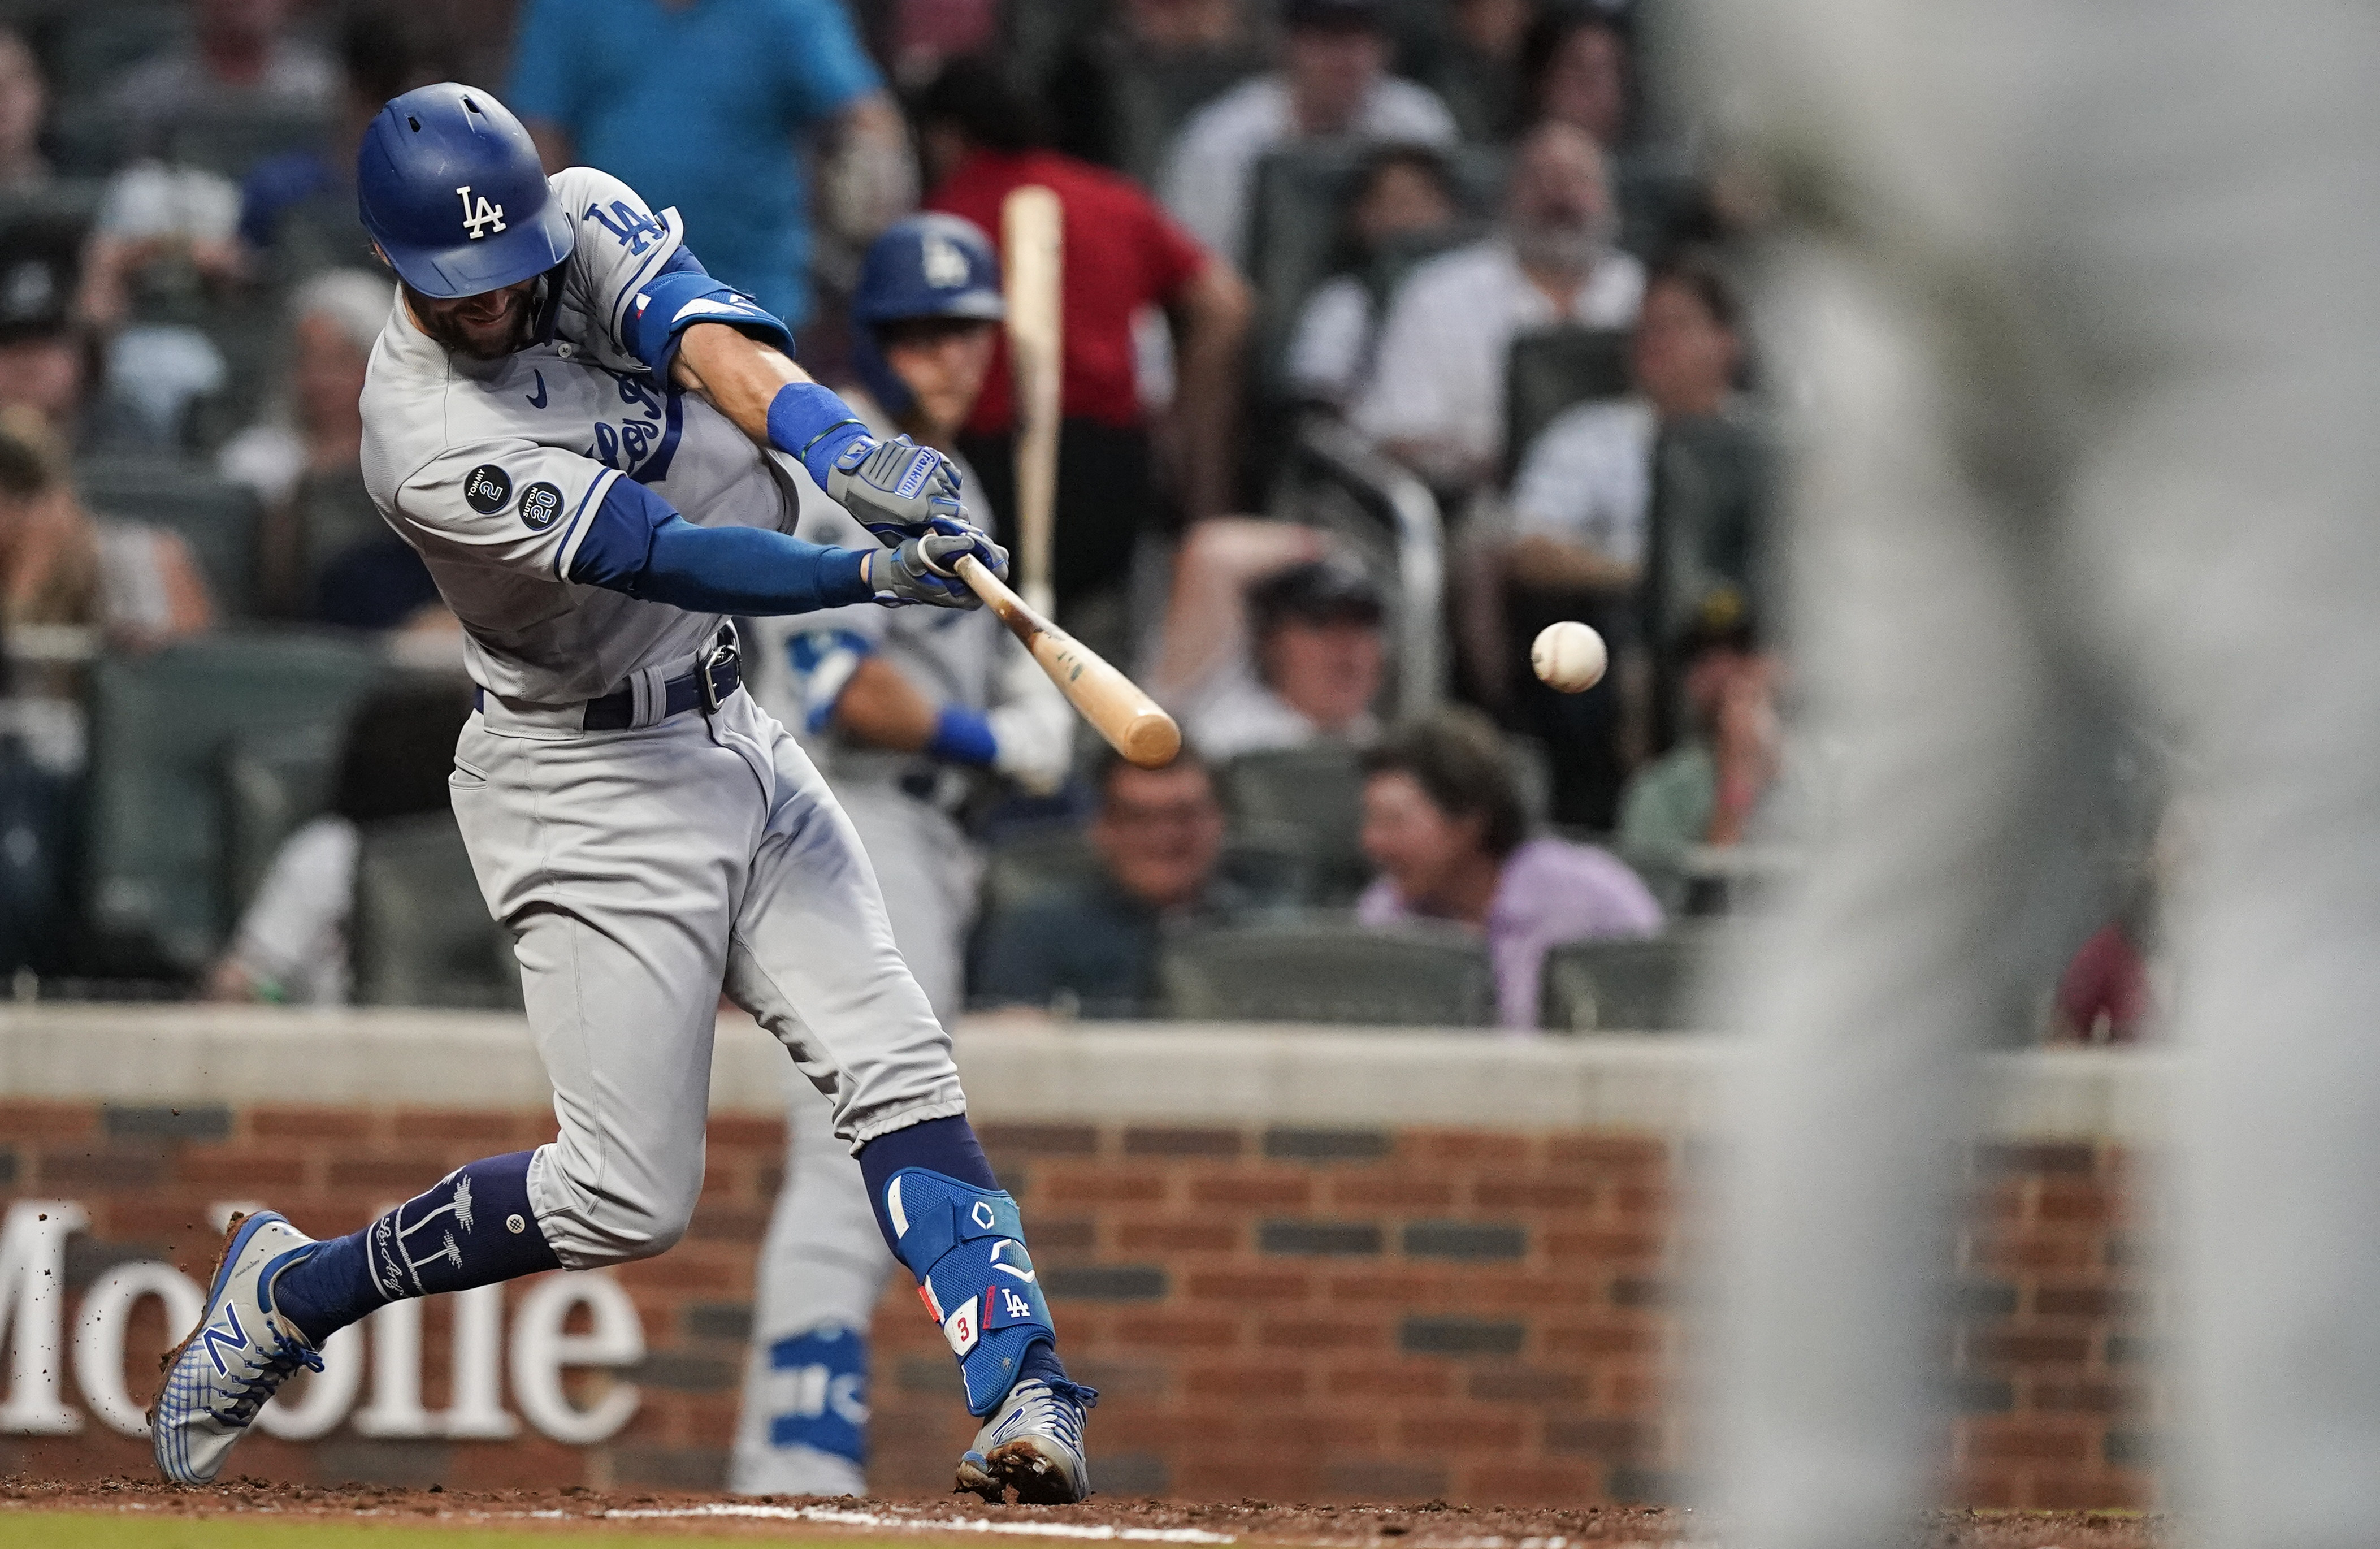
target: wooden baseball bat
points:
(1111, 703)
(1032, 230)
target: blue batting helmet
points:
(450, 186)
(924, 266)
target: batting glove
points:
(926, 571)
(899, 489)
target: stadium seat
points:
(96, 43)
(1657, 199)
(272, 783)
(1328, 972)
(1624, 986)
(153, 849)
(420, 933)
(1310, 796)
(1266, 866)
(69, 200)
(1152, 99)
(215, 517)
(1032, 864)
(230, 144)
(1551, 369)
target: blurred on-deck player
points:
(600, 450)
(904, 710)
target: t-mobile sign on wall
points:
(68, 1366)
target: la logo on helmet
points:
(945, 266)
(481, 221)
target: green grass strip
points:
(61, 1530)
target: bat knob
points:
(1150, 739)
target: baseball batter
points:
(598, 449)
(904, 710)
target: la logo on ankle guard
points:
(966, 1245)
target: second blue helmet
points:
(928, 265)
(450, 185)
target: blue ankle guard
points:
(966, 1245)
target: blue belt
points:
(717, 674)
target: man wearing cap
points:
(1333, 83)
(909, 714)
(1271, 640)
(600, 452)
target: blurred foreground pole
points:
(2083, 299)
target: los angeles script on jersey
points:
(643, 442)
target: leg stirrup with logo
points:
(966, 1245)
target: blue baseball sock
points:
(948, 1162)
(473, 1227)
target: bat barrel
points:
(1149, 739)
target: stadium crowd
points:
(1327, 263)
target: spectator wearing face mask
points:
(1436, 397)
(1268, 641)
(1444, 823)
(1094, 945)
(1333, 83)
(1406, 198)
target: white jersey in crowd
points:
(1587, 479)
(1208, 181)
(1439, 372)
(493, 469)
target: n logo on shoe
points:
(218, 1339)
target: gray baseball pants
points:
(641, 873)
(2087, 348)
(823, 1263)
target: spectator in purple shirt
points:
(1443, 821)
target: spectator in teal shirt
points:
(702, 105)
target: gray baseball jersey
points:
(638, 870)
(493, 468)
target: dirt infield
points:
(958, 1518)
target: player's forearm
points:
(1540, 563)
(638, 544)
(748, 570)
(880, 708)
(735, 374)
(769, 397)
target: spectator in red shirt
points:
(1123, 256)
(2103, 995)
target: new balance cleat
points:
(1032, 1444)
(238, 1357)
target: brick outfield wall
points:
(1289, 1314)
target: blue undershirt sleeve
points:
(639, 545)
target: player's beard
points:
(478, 339)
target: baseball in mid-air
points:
(1570, 657)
